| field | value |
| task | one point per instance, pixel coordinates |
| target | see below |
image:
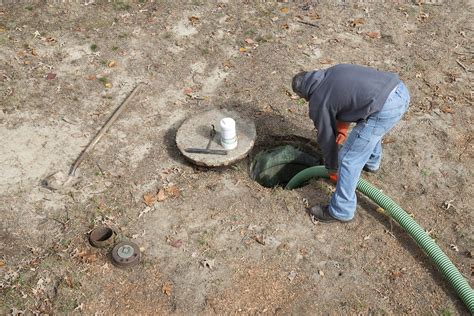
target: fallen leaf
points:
(172, 191)
(2, 30)
(161, 195)
(267, 108)
(452, 77)
(260, 239)
(249, 41)
(149, 199)
(50, 76)
(167, 288)
(87, 256)
(314, 16)
(284, 10)
(176, 243)
(373, 34)
(227, 64)
(2, 263)
(448, 110)
(357, 22)
(305, 202)
(167, 171)
(325, 61)
(423, 16)
(242, 49)
(247, 242)
(208, 263)
(395, 275)
(193, 19)
(68, 281)
(388, 140)
(292, 276)
(111, 63)
(108, 85)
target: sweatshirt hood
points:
(311, 81)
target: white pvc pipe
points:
(228, 133)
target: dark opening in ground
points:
(278, 162)
(102, 234)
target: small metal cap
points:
(126, 254)
(102, 237)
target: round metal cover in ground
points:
(101, 237)
(195, 132)
(125, 254)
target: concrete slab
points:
(195, 133)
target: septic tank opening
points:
(277, 165)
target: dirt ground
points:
(216, 241)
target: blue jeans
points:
(363, 147)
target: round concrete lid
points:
(195, 132)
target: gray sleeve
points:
(325, 123)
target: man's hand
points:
(341, 129)
(333, 175)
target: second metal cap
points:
(126, 254)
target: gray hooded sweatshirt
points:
(347, 93)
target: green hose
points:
(442, 261)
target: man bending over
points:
(375, 101)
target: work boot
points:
(321, 214)
(367, 169)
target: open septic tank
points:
(273, 161)
(279, 162)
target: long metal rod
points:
(104, 129)
(206, 151)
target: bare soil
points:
(216, 241)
